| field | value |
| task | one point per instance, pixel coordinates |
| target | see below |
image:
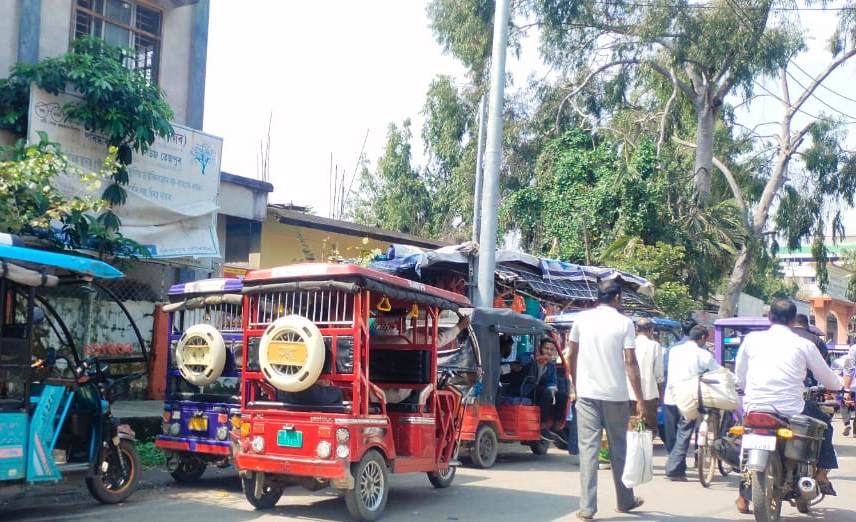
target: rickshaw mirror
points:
(50, 357)
(61, 364)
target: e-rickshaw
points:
(55, 418)
(499, 415)
(202, 403)
(340, 384)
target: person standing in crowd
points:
(800, 327)
(686, 360)
(649, 354)
(845, 367)
(672, 417)
(602, 360)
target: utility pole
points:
(473, 260)
(492, 159)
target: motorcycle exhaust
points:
(808, 487)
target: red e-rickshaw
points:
(497, 414)
(340, 384)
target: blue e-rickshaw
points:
(202, 405)
(55, 418)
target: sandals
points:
(637, 503)
(584, 516)
(742, 506)
(827, 489)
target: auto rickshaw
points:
(203, 376)
(340, 384)
(499, 416)
(55, 418)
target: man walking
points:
(686, 360)
(670, 423)
(602, 360)
(649, 355)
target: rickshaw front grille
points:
(224, 317)
(325, 308)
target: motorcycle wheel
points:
(270, 493)
(803, 506)
(766, 503)
(724, 469)
(116, 483)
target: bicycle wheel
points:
(706, 462)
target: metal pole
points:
(492, 158)
(477, 198)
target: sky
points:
(329, 71)
(332, 71)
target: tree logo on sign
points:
(203, 154)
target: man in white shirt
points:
(771, 368)
(602, 359)
(845, 367)
(686, 361)
(649, 355)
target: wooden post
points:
(160, 354)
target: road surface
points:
(521, 488)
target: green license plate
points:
(289, 438)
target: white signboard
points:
(172, 190)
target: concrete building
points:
(832, 310)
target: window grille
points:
(325, 308)
(130, 25)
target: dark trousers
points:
(827, 458)
(549, 410)
(670, 426)
(676, 464)
(573, 440)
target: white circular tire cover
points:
(297, 340)
(200, 354)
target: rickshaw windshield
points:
(15, 348)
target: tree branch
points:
(585, 82)
(726, 173)
(820, 78)
(667, 110)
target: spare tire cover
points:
(200, 354)
(291, 353)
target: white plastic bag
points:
(686, 397)
(639, 462)
(719, 389)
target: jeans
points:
(593, 416)
(670, 426)
(573, 440)
(827, 458)
(549, 410)
(676, 464)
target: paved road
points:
(521, 488)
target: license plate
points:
(759, 442)
(287, 353)
(197, 424)
(289, 438)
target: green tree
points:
(394, 197)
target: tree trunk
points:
(703, 167)
(739, 276)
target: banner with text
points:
(172, 190)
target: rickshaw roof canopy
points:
(392, 286)
(207, 286)
(506, 321)
(742, 321)
(56, 263)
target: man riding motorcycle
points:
(771, 367)
(845, 367)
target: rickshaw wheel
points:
(367, 500)
(270, 496)
(112, 486)
(485, 447)
(442, 479)
(540, 447)
(188, 470)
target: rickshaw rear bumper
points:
(333, 470)
(211, 447)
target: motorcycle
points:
(780, 458)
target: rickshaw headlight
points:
(343, 435)
(258, 444)
(324, 449)
(222, 432)
(174, 428)
(245, 429)
(343, 452)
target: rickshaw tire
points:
(486, 436)
(191, 473)
(267, 501)
(100, 492)
(372, 461)
(439, 481)
(541, 447)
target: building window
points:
(243, 237)
(129, 25)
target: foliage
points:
(150, 455)
(395, 196)
(115, 101)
